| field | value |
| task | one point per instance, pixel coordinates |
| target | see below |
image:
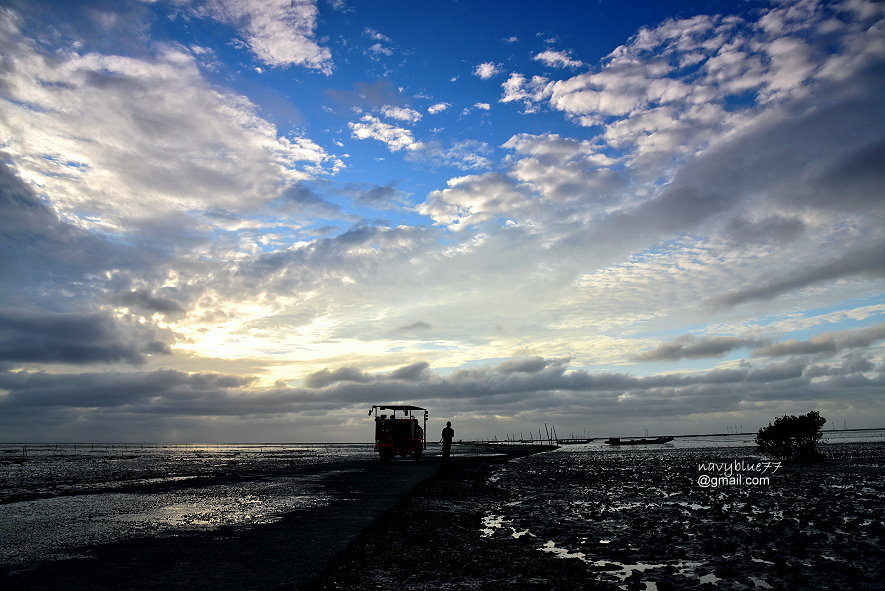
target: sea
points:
(638, 511)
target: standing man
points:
(447, 434)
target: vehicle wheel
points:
(417, 455)
(385, 456)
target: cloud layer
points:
(211, 228)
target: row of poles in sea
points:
(548, 437)
(91, 446)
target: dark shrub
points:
(792, 437)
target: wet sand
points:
(284, 554)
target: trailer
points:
(399, 434)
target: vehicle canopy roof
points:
(396, 407)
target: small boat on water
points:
(645, 441)
(573, 441)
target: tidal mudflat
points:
(679, 516)
(597, 518)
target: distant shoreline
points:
(129, 444)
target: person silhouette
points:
(447, 434)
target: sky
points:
(249, 221)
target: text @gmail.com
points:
(736, 473)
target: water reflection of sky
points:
(44, 528)
(89, 496)
(51, 469)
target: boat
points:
(573, 441)
(644, 441)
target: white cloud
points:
(529, 92)
(278, 32)
(558, 59)
(438, 108)
(401, 113)
(618, 90)
(862, 9)
(486, 70)
(670, 89)
(791, 65)
(396, 138)
(562, 169)
(668, 164)
(112, 138)
(375, 35)
(465, 154)
(482, 106)
(377, 49)
(473, 199)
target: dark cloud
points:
(327, 377)
(767, 230)
(167, 234)
(41, 254)
(789, 155)
(523, 387)
(366, 95)
(150, 392)
(143, 299)
(863, 259)
(691, 347)
(536, 382)
(380, 197)
(853, 363)
(112, 26)
(812, 347)
(330, 376)
(302, 198)
(412, 373)
(50, 274)
(27, 336)
(415, 326)
(855, 177)
(530, 365)
(829, 343)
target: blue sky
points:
(229, 220)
